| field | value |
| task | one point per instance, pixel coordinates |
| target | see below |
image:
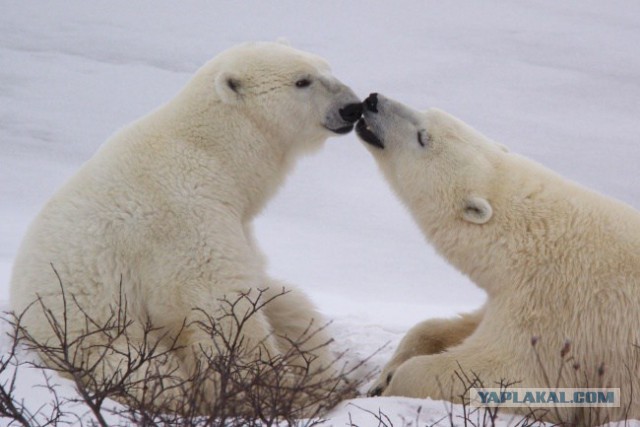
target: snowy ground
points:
(556, 81)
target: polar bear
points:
(161, 216)
(559, 263)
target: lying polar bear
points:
(161, 217)
(558, 262)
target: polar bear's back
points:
(67, 245)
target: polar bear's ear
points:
(228, 87)
(502, 147)
(477, 210)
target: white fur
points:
(558, 262)
(165, 206)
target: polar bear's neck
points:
(546, 231)
(233, 163)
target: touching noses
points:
(351, 112)
(371, 103)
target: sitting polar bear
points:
(558, 262)
(161, 216)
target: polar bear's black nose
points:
(351, 112)
(371, 103)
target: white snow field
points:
(556, 81)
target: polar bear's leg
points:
(107, 351)
(219, 340)
(159, 381)
(301, 333)
(228, 323)
(448, 375)
(295, 321)
(429, 337)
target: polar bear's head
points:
(441, 168)
(286, 93)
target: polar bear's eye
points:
(303, 83)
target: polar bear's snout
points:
(371, 103)
(367, 128)
(351, 112)
(344, 113)
(366, 134)
(386, 123)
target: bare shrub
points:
(12, 407)
(251, 387)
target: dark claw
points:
(376, 392)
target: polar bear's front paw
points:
(381, 384)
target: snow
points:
(555, 81)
